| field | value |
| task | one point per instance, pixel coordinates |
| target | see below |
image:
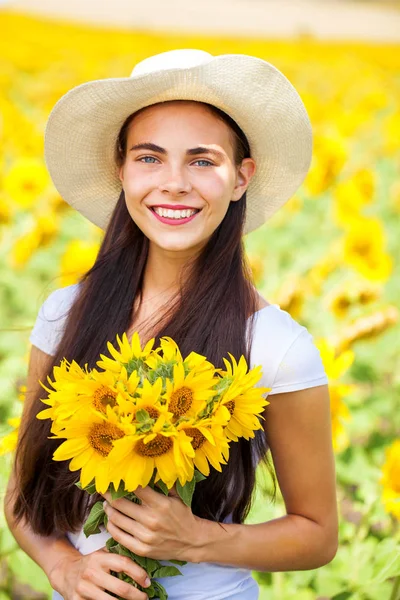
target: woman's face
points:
(180, 157)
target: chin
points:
(178, 245)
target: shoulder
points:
(51, 318)
(287, 352)
(262, 302)
(58, 301)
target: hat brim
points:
(83, 126)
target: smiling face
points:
(181, 156)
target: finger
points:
(149, 496)
(126, 523)
(110, 583)
(123, 564)
(107, 496)
(172, 492)
(90, 591)
(129, 541)
(127, 507)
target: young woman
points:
(177, 162)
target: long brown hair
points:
(212, 315)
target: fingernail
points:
(104, 504)
(147, 582)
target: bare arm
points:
(69, 572)
(298, 429)
(47, 552)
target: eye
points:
(147, 159)
(203, 160)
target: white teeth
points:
(174, 214)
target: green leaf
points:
(152, 566)
(119, 493)
(162, 594)
(142, 415)
(178, 562)
(90, 488)
(124, 551)
(95, 518)
(167, 572)
(342, 596)
(186, 491)
(199, 476)
(140, 560)
(111, 544)
(391, 569)
(163, 487)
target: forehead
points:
(187, 119)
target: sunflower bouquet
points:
(149, 417)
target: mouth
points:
(174, 217)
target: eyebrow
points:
(189, 151)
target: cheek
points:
(217, 190)
(136, 184)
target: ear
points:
(244, 175)
(121, 174)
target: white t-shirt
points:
(290, 361)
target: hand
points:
(162, 527)
(88, 577)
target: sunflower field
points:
(328, 257)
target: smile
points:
(174, 217)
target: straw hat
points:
(83, 126)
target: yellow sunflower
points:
(170, 354)
(149, 399)
(128, 351)
(243, 379)
(188, 394)
(243, 401)
(198, 362)
(134, 457)
(65, 374)
(75, 396)
(170, 350)
(244, 411)
(209, 443)
(89, 442)
(390, 479)
(9, 442)
(126, 387)
(68, 377)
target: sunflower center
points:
(230, 406)
(181, 401)
(198, 438)
(102, 397)
(156, 447)
(101, 437)
(154, 413)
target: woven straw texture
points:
(83, 126)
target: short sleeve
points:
(301, 366)
(51, 318)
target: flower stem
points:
(395, 595)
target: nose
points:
(175, 182)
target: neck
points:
(163, 273)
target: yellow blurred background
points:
(329, 257)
